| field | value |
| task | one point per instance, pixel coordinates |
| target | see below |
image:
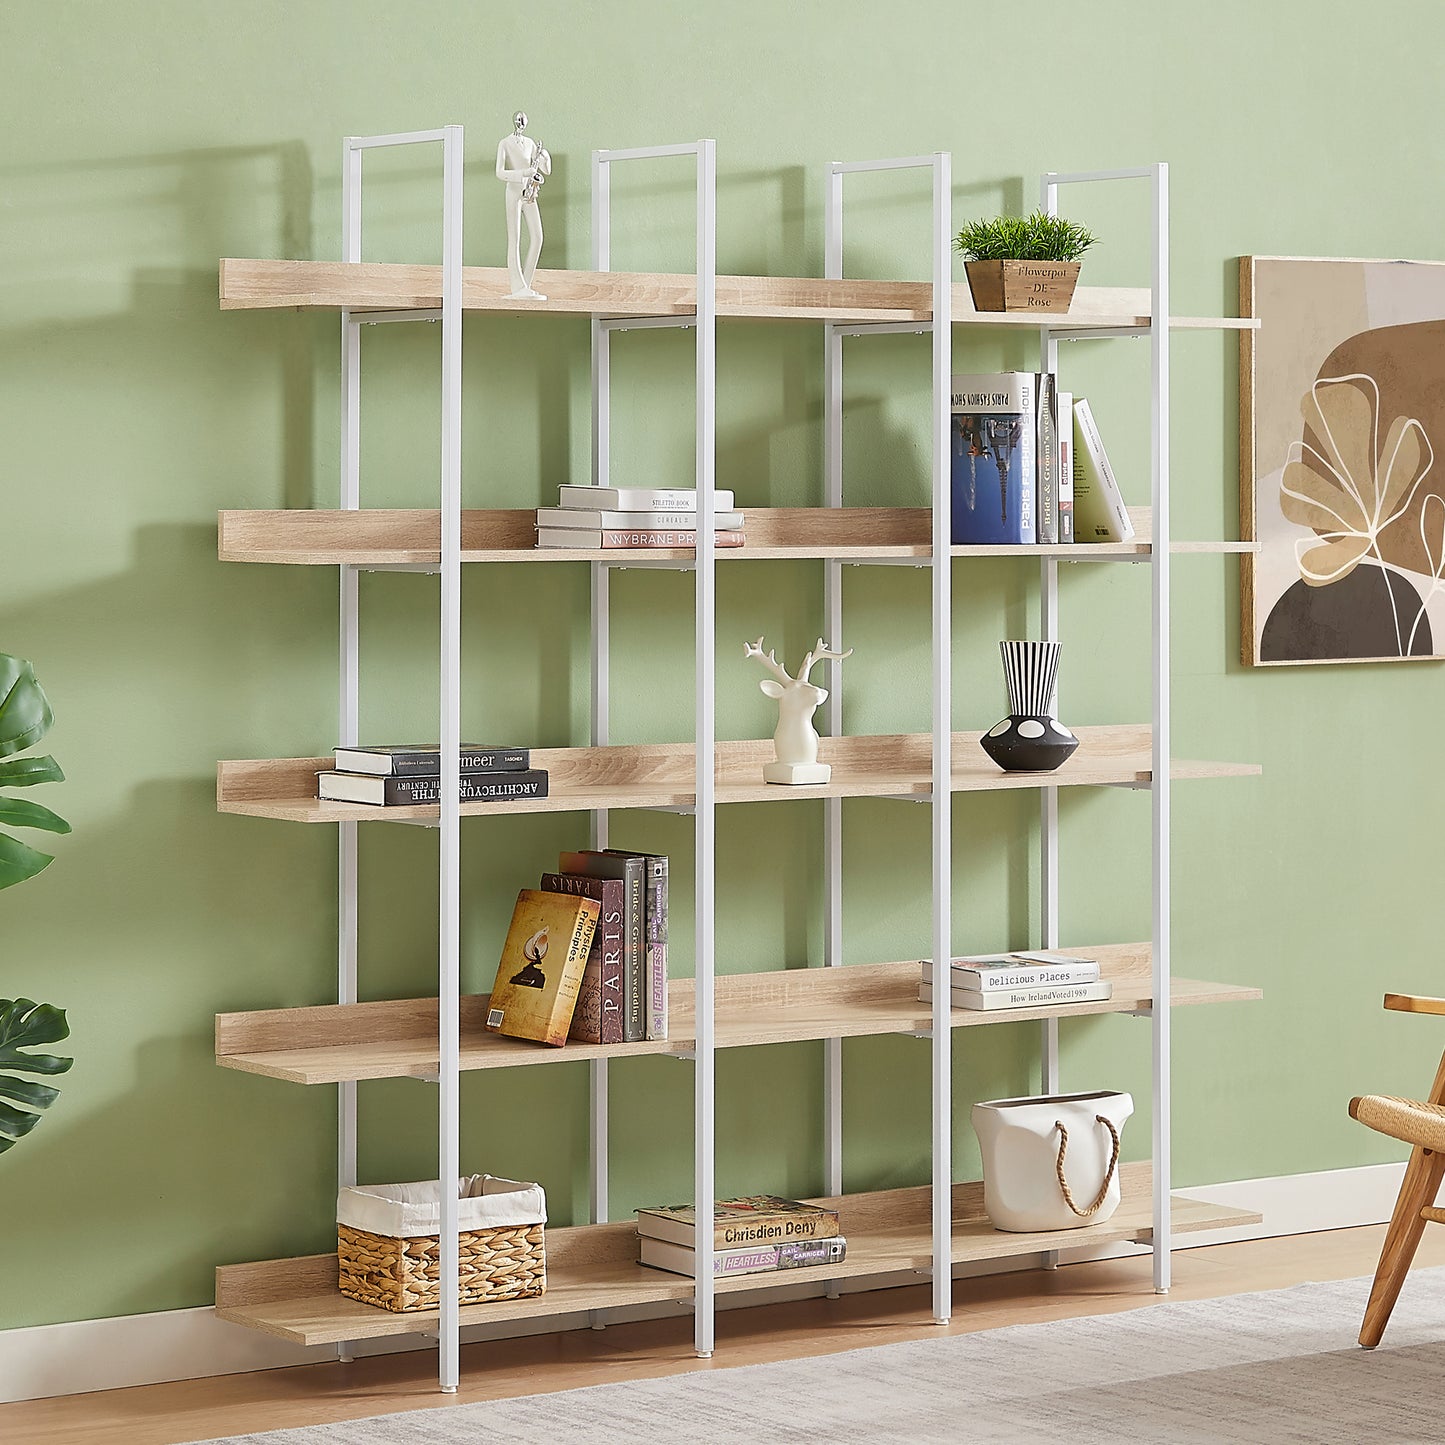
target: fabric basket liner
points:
(405, 1211)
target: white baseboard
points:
(83, 1355)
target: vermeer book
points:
(395, 792)
(424, 760)
(751, 1219)
(541, 968)
(994, 431)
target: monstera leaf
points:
(23, 1025)
(25, 718)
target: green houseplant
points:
(1023, 263)
(25, 718)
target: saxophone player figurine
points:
(524, 165)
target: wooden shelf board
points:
(592, 1267)
(411, 538)
(384, 286)
(338, 1042)
(661, 775)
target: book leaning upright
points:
(1099, 511)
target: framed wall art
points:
(1342, 460)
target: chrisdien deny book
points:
(751, 1219)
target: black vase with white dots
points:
(1030, 739)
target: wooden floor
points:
(316, 1394)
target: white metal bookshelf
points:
(893, 1235)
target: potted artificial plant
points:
(1023, 263)
(25, 718)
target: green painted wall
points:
(144, 141)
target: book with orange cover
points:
(541, 966)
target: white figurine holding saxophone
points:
(523, 164)
(796, 741)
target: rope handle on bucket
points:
(1108, 1173)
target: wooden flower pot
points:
(1022, 285)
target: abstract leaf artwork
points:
(1342, 460)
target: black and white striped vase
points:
(1030, 739)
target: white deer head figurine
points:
(795, 743)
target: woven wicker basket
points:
(395, 1265)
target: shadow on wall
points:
(101, 317)
(155, 670)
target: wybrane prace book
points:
(609, 539)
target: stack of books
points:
(608, 517)
(1020, 980)
(586, 955)
(405, 773)
(751, 1235)
(1029, 466)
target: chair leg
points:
(1422, 1181)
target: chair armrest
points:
(1412, 1003)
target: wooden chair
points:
(1423, 1125)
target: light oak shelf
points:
(361, 286)
(336, 1043)
(412, 538)
(594, 1267)
(662, 775)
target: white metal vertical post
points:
(1160, 793)
(349, 666)
(833, 622)
(449, 962)
(942, 573)
(706, 820)
(1049, 797)
(601, 644)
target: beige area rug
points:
(1278, 1367)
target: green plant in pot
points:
(25, 718)
(1023, 263)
